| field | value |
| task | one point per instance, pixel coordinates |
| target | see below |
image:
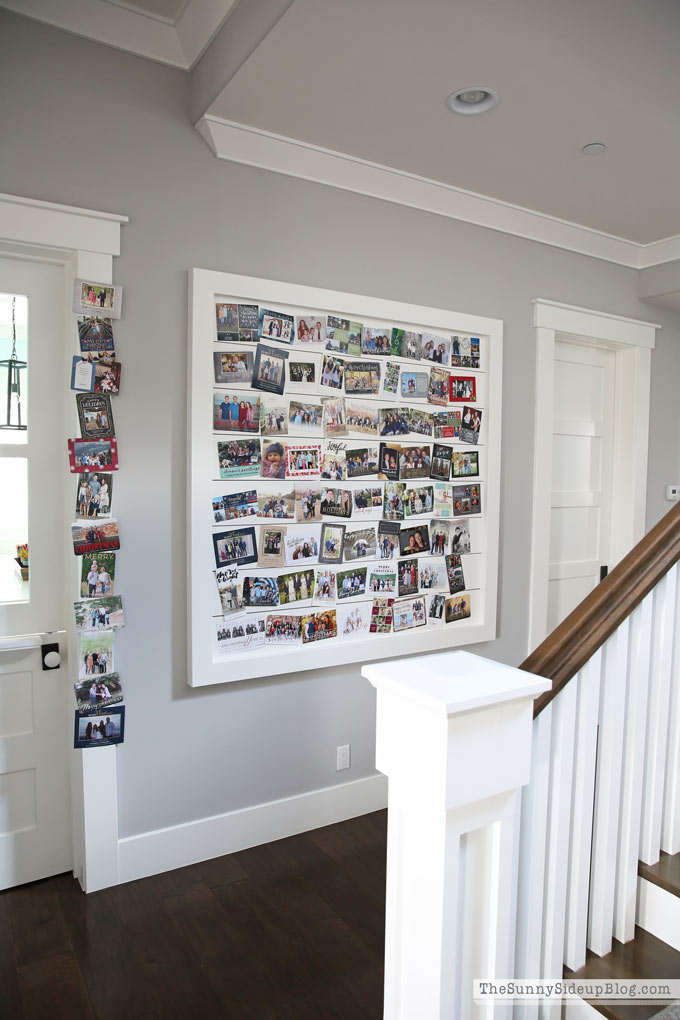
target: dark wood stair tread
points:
(646, 957)
(665, 874)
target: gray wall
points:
(86, 125)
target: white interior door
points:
(581, 510)
(35, 705)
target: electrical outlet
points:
(673, 492)
(342, 758)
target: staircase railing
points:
(514, 857)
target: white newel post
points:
(454, 738)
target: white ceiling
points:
(164, 10)
(171, 31)
(369, 78)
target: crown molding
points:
(252, 146)
(124, 28)
(49, 225)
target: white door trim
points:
(85, 242)
(632, 341)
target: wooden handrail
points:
(578, 637)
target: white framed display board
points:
(343, 372)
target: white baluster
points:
(454, 738)
(633, 768)
(583, 795)
(608, 791)
(532, 861)
(657, 716)
(557, 849)
(670, 829)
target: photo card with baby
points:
(310, 328)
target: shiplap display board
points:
(207, 663)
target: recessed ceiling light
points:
(472, 99)
(593, 148)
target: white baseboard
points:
(658, 912)
(150, 853)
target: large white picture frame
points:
(205, 666)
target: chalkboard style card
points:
(95, 415)
(362, 378)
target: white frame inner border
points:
(204, 288)
(632, 342)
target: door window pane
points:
(13, 306)
(13, 527)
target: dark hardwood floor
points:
(293, 930)
(666, 873)
(288, 931)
